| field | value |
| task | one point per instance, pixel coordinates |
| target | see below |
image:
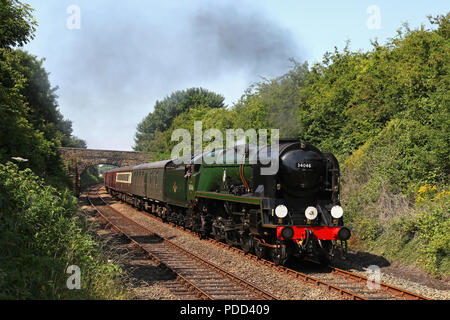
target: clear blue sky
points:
(129, 54)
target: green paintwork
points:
(167, 183)
(211, 184)
(175, 186)
(211, 177)
(229, 197)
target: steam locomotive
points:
(293, 212)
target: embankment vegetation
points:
(41, 235)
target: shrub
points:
(416, 232)
(433, 231)
(40, 238)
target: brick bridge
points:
(77, 160)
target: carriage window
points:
(124, 177)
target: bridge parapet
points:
(77, 160)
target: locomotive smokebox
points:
(301, 171)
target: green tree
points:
(351, 97)
(18, 136)
(17, 25)
(167, 110)
(31, 126)
(273, 103)
(41, 98)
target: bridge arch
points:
(77, 160)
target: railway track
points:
(202, 278)
(347, 284)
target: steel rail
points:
(200, 293)
(384, 286)
(293, 273)
(342, 273)
(243, 283)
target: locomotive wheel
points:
(279, 254)
(218, 231)
(260, 249)
(324, 252)
(247, 244)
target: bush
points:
(414, 232)
(40, 237)
(433, 231)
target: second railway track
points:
(204, 279)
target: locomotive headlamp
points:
(337, 212)
(281, 211)
(311, 213)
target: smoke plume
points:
(125, 58)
